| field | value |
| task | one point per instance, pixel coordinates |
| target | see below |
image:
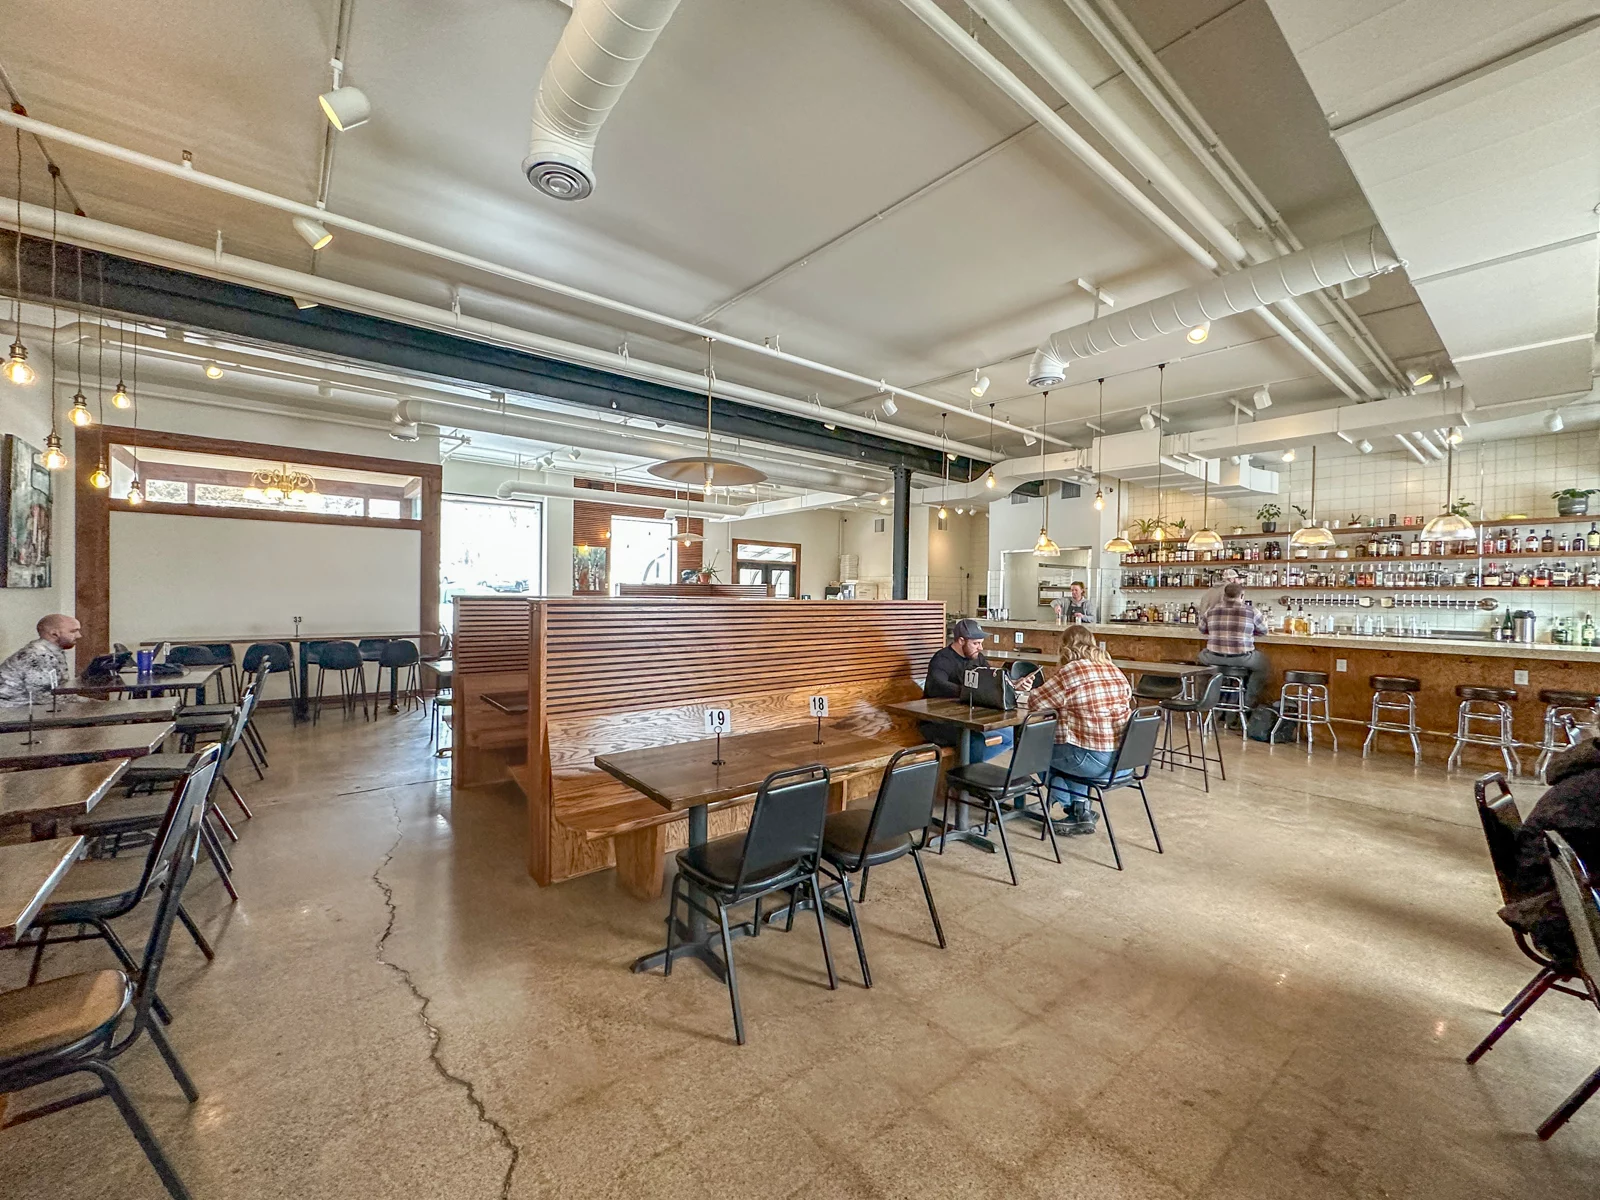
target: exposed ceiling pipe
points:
(606, 438)
(189, 174)
(1040, 54)
(1354, 256)
(1410, 449)
(619, 499)
(1422, 440)
(967, 46)
(1145, 71)
(600, 49)
(205, 261)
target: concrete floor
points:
(1278, 1006)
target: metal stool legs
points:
(1496, 714)
(1310, 709)
(1387, 702)
(1555, 738)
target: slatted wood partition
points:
(489, 646)
(614, 674)
(702, 591)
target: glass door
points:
(771, 564)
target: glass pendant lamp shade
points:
(1046, 546)
(1204, 539)
(1311, 537)
(1449, 527)
(1119, 545)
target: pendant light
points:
(135, 490)
(1160, 534)
(1046, 546)
(16, 367)
(1119, 544)
(55, 458)
(945, 486)
(79, 413)
(100, 478)
(1100, 424)
(989, 480)
(1312, 536)
(1449, 526)
(701, 470)
(120, 397)
(688, 537)
(1205, 538)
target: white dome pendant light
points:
(1205, 538)
(1046, 546)
(1311, 535)
(1449, 526)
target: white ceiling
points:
(756, 135)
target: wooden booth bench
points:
(605, 675)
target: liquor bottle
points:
(1560, 577)
(1530, 544)
(1500, 541)
(1591, 577)
(1586, 636)
(1592, 542)
(1491, 575)
(1547, 544)
(1541, 576)
(1372, 545)
(1505, 627)
(1524, 576)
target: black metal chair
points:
(402, 656)
(993, 785)
(1199, 719)
(98, 891)
(896, 825)
(371, 648)
(1130, 768)
(216, 654)
(68, 1026)
(1577, 889)
(1502, 823)
(342, 658)
(1158, 687)
(1018, 670)
(779, 852)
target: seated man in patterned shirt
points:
(1231, 630)
(1091, 699)
(41, 665)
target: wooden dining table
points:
(63, 747)
(684, 777)
(61, 712)
(974, 717)
(40, 798)
(1137, 667)
(188, 679)
(29, 872)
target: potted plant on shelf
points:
(1179, 527)
(1146, 527)
(1573, 502)
(708, 571)
(1268, 515)
(1463, 507)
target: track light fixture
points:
(980, 383)
(345, 107)
(1199, 333)
(1453, 435)
(1553, 422)
(211, 369)
(1288, 455)
(1028, 439)
(1148, 420)
(314, 233)
(1418, 376)
(1364, 446)
(1261, 397)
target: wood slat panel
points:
(491, 634)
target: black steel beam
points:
(902, 533)
(196, 302)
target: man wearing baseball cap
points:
(945, 671)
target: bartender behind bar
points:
(946, 670)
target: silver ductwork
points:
(1354, 256)
(600, 49)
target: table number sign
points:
(819, 709)
(719, 721)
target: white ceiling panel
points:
(1559, 370)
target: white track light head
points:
(345, 107)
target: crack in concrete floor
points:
(435, 1034)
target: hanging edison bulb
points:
(135, 492)
(55, 458)
(120, 397)
(79, 413)
(943, 514)
(16, 367)
(1099, 500)
(100, 478)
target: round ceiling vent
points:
(559, 180)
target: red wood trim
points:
(91, 549)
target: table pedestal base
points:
(686, 944)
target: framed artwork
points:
(25, 515)
(588, 569)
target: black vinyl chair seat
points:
(989, 777)
(717, 863)
(843, 837)
(1023, 775)
(1313, 677)
(61, 1014)
(1129, 769)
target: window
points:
(773, 564)
(206, 480)
(488, 546)
(642, 551)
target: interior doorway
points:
(774, 564)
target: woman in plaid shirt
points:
(1091, 699)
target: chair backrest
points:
(1035, 743)
(398, 654)
(372, 646)
(176, 845)
(221, 651)
(1502, 825)
(1138, 745)
(905, 796)
(339, 656)
(1212, 693)
(786, 823)
(271, 656)
(1017, 670)
(194, 656)
(1583, 912)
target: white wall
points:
(816, 532)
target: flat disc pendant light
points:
(1046, 546)
(1312, 536)
(705, 471)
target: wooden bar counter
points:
(1441, 664)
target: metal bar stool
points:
(1559, 704)
(1393, 694)
(1199, 717)
(1230, 701)
(1482, 706)
(1303, 703)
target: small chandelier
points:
(280, 485)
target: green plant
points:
(708, 570)
(1574, 493)
(1146, 526)
(1463, 507)
(1304, 513)
(1178, 525)
(1268, 512)
(1355, 519)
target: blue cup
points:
(146, 660)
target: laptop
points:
(993, 689)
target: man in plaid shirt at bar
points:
(1231, 630)
(1090, 698)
